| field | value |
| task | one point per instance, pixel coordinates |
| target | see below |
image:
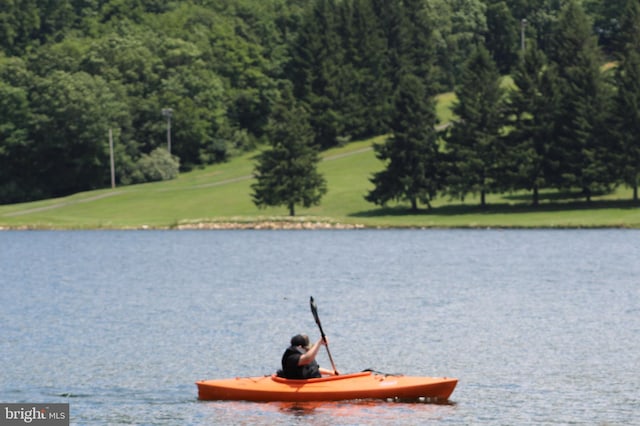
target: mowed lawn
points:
(222, 193)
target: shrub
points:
(156, 166)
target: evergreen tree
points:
(502, 36)
(418, 44)
(411, 153)
(315, 70)
(475, 144)
(286, 174)
(607, 21)
(364, 94)
(583, 150)
(626, 120)
(532, 106)
(391, 18)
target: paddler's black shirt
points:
(291, 369)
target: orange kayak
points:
(364, 385)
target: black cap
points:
(300, 340)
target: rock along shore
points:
(269, 225)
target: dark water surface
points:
(540, 327)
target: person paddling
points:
(299, 359)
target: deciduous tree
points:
(72, 114)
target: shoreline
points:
(269, 225)
(297, 225)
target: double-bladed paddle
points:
(314, 311)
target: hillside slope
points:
(220, 197)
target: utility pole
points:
(523, 24)
(113, 166)
(168, 112)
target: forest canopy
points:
(71, 70)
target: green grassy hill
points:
(221, 194)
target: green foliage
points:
(502, 36)
(583, 148)
(475, 144)
(219, 194)
(541, 20)
(411, 153)
(197, 97)
(317, 58)
(19, 21)
(462, 26)
(531, 110)
(286, 174)
(607, 16)
(156, 166)
(625, 123)
(72, 69)
(15, 147)
(205, 61)
(72, 114)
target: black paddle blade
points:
(314, 310)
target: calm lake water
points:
(540, 327)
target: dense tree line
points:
(70, 70)
(562, 125)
